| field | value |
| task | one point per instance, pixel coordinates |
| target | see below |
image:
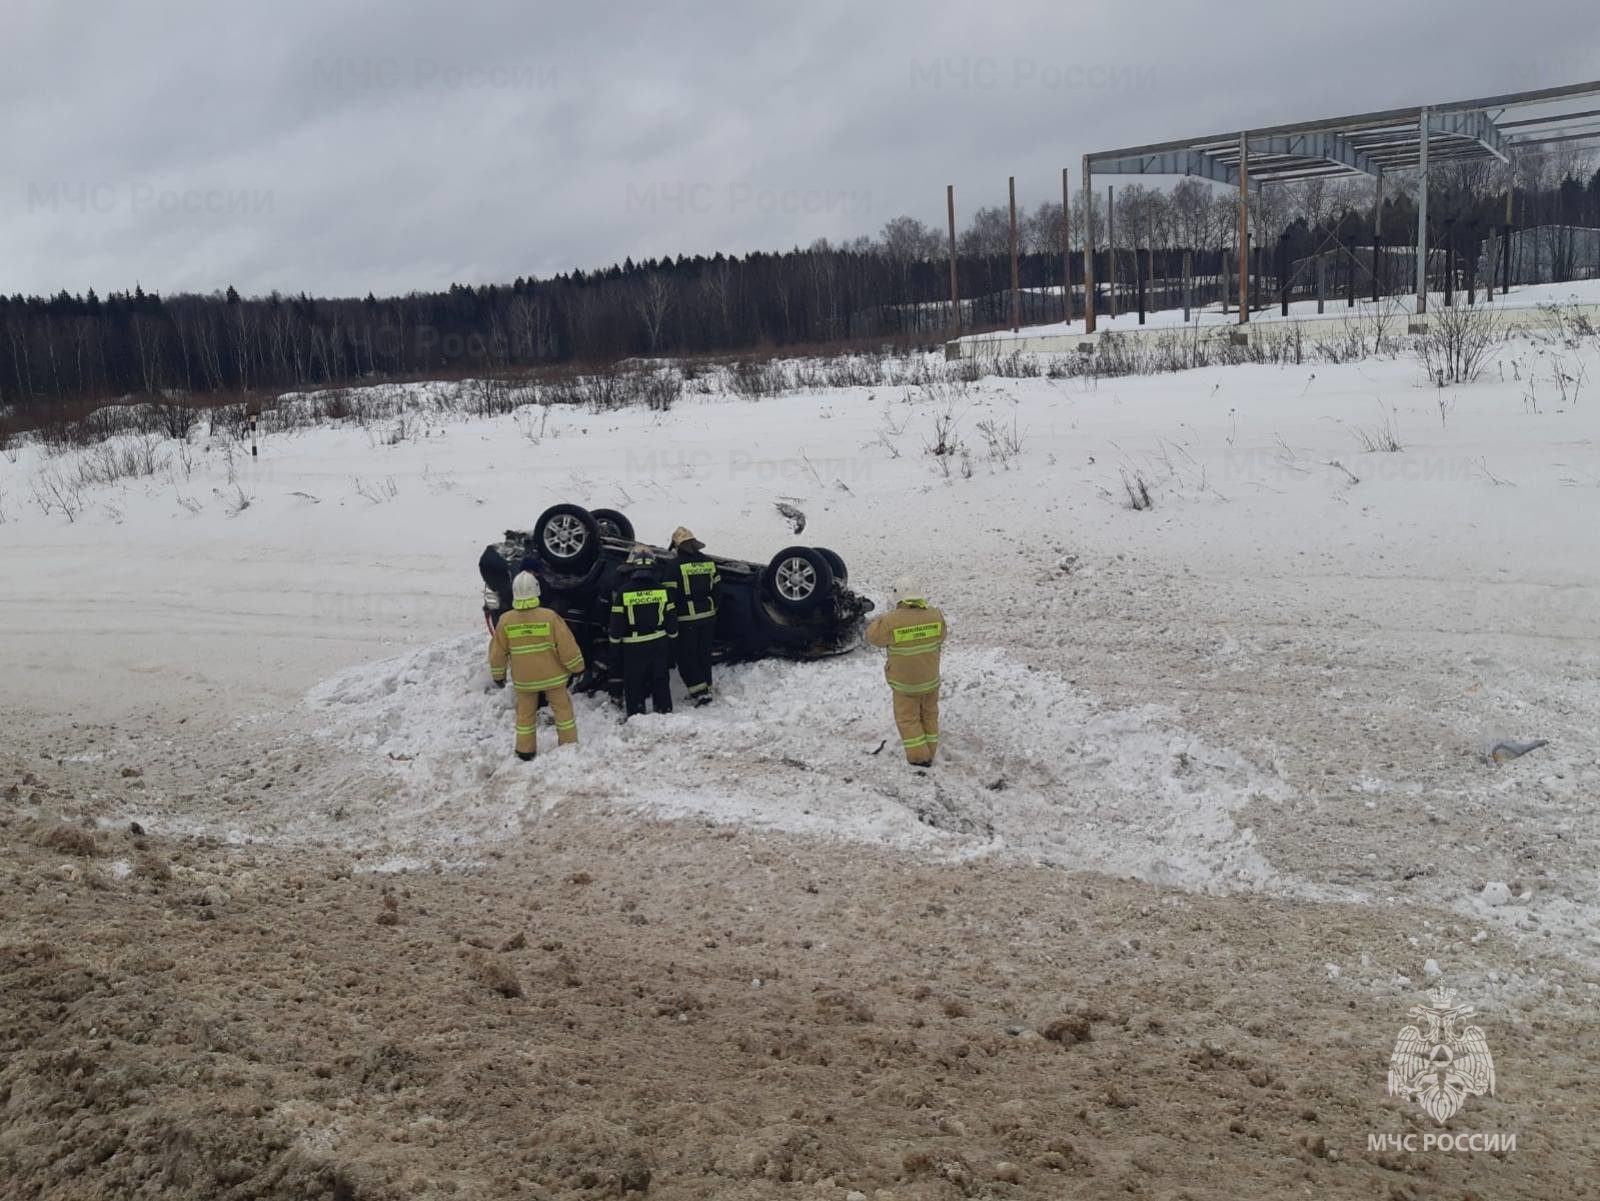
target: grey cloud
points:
(337, 148)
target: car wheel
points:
(841, 574)
(798, 580)
(567, 538)
(613, 524)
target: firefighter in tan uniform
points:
(542, 654)
(913, 634)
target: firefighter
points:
(542, 654)
(913, 634)
(644, 624)
(694, 590)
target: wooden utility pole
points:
(955, 292)
(1016, 287)
(1188, 282)
(1088, 249)
(1111, 250)
(1244, 229)
(1066, 249)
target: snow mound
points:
(1029, 767)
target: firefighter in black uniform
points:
(694, 585)
(644, 623)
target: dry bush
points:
(1138, 490)
(70, 840)
(754, 381)
(1383, 436)
(1458, 344)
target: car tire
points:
(841, 573)
(798, 580)
(613, 524)
(567, 539)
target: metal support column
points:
(1066, 249)
(1016, 286)
(1088, 248)
(1422, 214)
(1111, 250)
(955, 293)
(1244, 229)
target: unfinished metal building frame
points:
(1369, 144)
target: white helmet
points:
(906, 588)
(525, 587)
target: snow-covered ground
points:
(1522, 297)
(1279, 678)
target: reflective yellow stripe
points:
(909, 743)
(567, 725)
(914, 689)
(540, 685)
(914, 650)
(528, 629)
(525, 730)
(574, 664)
(533, 648)
(643, 637)
(928, 629)
(691, 615)
(527, 602)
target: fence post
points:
(1449, 262)
(1188, 282)
(1322, 282)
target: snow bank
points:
(1029, 767)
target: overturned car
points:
(796, 606)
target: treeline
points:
(70, 348)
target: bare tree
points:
(654, 302)
(907, 240)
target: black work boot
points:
(527, 756)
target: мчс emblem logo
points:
(1441, 1066)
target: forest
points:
(69, 351)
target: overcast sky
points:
(337, 146)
